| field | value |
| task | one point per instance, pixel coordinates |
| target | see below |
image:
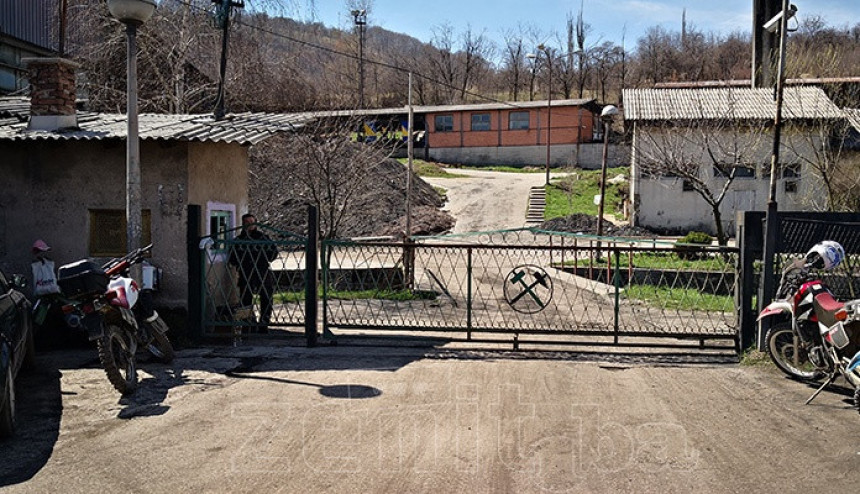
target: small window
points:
(790, 186)
(221, 226)
(108, 232)
(444, 123)
(791, 171)
(480, 121)
(744, 172)
(518, 120)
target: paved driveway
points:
(347, 419)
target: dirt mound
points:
(587, 224)
(371, 203)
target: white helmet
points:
(825, 255)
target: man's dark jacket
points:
(251, 255)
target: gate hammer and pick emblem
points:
(528, 289)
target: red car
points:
(17, 349)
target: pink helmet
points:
(40, 246)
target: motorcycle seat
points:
(826, 307)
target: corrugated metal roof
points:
(242, 128)
(853, 115)
(419, 110)
(726, 102)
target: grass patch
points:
(442, 191)
(680, 298)
(751, 357)
(428, 169)
(396, 295)
(667, 261)
(575, 194)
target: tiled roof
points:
(726, 102)
(242, 128)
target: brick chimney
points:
(52, 93)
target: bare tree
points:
(325, 168)
(707, 152)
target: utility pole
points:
(222, 19)
(360, 19)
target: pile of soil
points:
(587, 224)
(279, 197)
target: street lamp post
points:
(606, 115)
(549, 57)
(132, 13)
(780, 21)
(360, 19)
(534, 56)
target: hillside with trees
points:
(276, 63)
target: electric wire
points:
(333, 51)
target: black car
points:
(17, 349)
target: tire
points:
(118, 362)
(160, 346)
(780, 348)
(7, 406)
(857, 399)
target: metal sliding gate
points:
(525, 286)
(518, 286)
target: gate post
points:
(751, 236)
(195, 272)
(311, 268)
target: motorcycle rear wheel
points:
(781, 349)
(857, 399)
(160, 346)
(117, 361)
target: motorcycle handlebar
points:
(117, 265)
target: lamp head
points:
(608, 112)
(131, 11)
(773, 24)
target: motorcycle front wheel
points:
(117, 359)
(160, 346)
(781, 348)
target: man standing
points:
(251, 256)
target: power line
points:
(354, 57)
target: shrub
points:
(686, 248)
(701, 238)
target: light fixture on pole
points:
(534, 56)
(779, 21)
(132, 13)
(360, 19)
(606, 115)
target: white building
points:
(704, 153)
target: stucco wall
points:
(48, 188)
(590, 155)
(662, 203)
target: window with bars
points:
(480, 121)
(108, 232)
(518, 120)
(444, 123)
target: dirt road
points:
(488, 200)
(340, 419)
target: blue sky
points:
(608, 18)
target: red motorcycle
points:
(117, 314)
(812, 335)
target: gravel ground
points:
(353, 419)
